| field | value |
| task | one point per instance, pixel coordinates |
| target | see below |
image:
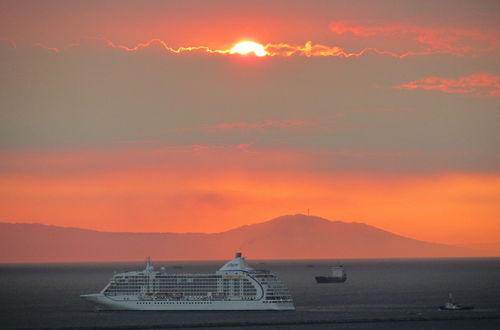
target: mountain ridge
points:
(285, 237)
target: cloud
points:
(242, 125)
(313, 50)
(309, 49)
(9, 43)
(430, 40)
(479, 84)
(247, 156)
(436, 42)
(52, 49)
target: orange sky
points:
(112, 192)
(379, 112)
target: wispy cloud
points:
(447, 40)
(282, 49)
(249, 126)
(241, 125)
(479, 84)
(429, 41)
(11, 44)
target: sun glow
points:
(247, 47)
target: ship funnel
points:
(237, 264)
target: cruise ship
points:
(235, 286)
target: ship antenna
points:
(149, 266)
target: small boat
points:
(452, 306)
(338, 276)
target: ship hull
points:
(104, 302)
(456, 308)
(329, 279)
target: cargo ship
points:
(338, 275)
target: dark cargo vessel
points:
(338, 276)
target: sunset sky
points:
(138, 116)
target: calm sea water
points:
(379, 294)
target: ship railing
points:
(260, 271)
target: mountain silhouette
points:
(285, 237)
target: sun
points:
(247, 47)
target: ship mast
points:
(149, 265)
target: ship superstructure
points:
(235, 286)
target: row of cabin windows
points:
(173, 303)
(189, 288)
(166, 288)
(153, 282)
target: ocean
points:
(378, 294)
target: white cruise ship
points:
(235, 286)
